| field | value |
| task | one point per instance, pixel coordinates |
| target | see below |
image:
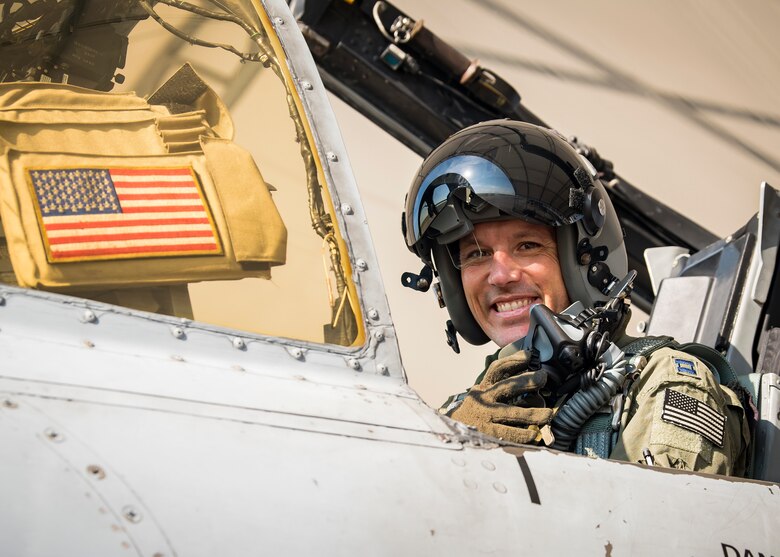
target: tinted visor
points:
(466, 189)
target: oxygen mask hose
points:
(568, 422)
(575, 350)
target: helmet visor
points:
(476, 189)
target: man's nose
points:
(504, 269)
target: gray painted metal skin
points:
(126, 433)
(122, 439)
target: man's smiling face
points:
(506, 267)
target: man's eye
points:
(523, 246)
(472, 256)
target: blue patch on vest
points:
(685, 367)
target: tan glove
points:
(489, 405)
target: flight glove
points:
(504, 403)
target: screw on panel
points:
(89, 344)
(379, 335)
(295, 352)
(346, 208)
(354, 363)
(10, 404)
(332, 157)
(96, 471)
(178, 332)
(373, 314)
(177, 358)
(53, 435)
(131, 514)
(307, 85)
(641, 326)
(2, 300)
(382, 368)
(361, 264)
(238, 343)
(278, 21)
(88, 316)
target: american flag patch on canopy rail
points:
(694, 415)
(116, 213)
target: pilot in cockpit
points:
(529, 253)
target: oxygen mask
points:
(574, 347)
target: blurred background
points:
(681, 96)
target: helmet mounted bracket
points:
(599, 276)
(421, 282)
(594, 211)
(587, 253)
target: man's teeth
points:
(516, 304)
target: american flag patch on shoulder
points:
(117, 213)
(693, 415)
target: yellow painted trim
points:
(290, 86)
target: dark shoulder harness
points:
(713, 359)
(601, 432)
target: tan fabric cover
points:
(256, 233)
(60, 126)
